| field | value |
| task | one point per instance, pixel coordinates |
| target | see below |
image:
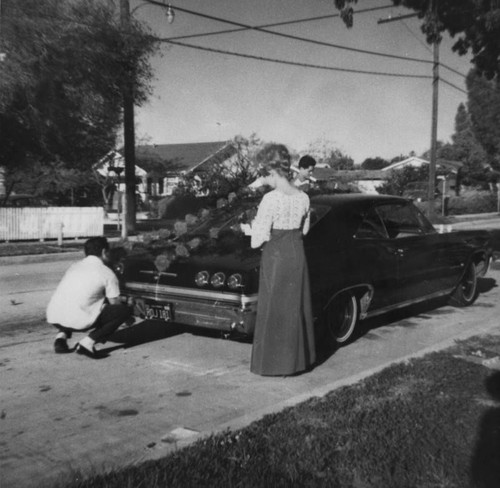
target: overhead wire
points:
(293, 37)
(295, 63)
(275, 24)
(453, 86)
(264, 28)
(244, 27)
(314, 66)
(426, 46)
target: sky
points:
(201, 96)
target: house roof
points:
(411, 161)
(361, 174)
(179, 158)
(417, 162)
(326, 174)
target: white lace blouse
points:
(277, 210)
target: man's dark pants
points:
(110, 318)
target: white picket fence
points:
(27, 223)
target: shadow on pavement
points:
(144, 332)
(486, 284)
(150, 331)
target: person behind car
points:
(87, 298)
(283, 341)
(306, 168)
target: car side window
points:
(400, 220)
(371, 227)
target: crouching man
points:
(87, 298)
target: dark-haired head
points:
(307, 162)
(95, 246)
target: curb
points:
(42, 258)
(50, 257)
(246, 419)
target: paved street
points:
(164, 386)
(25, 289)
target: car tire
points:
(466, 292)
(342, 316)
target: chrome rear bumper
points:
(200, 308)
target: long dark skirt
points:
(283, 341)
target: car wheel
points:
(466, 291)
(342, 316)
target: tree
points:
(475, 23)
(61, 84)
(340, 161)
(399, 180)
(484, 113)
(402, 157)
(374, 163)
(467, 149)
(325, 152)
(218, 179)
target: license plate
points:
(158, 312)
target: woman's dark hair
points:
(95, 245)
(274, 156)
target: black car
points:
(367, 255)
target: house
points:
(159, 167)
(412, 161)
(447, 182)
(365, 180)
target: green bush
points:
(473, 202)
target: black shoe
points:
(90, 354)
(61, 346)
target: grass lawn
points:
(429, 422)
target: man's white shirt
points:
(79, 297)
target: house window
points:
(149, 186)
(170, 184)
(160, 186)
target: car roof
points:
(349, 209)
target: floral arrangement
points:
(212, 230)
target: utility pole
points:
(432, 163)
(2, 14)
(129, 217)
(435, 93)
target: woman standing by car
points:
(283, 341)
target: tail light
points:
(201, 278)
(234, 281)
(218, 280)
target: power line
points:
(453, 86)
(275, 24)
(171, 39)
(294, 63)
(453, 70)
(174, 40)
(289, 36)
(426, 46)
(263, 28)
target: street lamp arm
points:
(169, 12)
